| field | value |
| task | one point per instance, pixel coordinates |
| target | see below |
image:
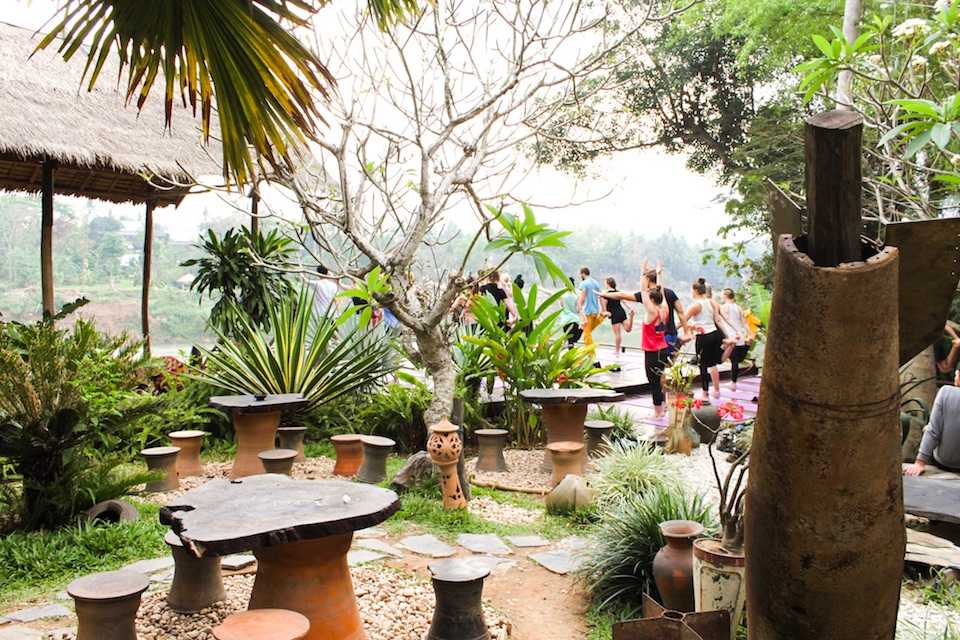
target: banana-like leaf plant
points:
(300, 351)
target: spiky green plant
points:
(618, 568)
(300, 351)
(630, 469)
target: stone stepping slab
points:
(370, 532)
(154, 565)
(236, 562)
(363, 556)
(19, 632)
(33, 614)
(528, 541)
(559, 561)
(427, 545)
(486, 543)
(375, 544)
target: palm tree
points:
(237, 55)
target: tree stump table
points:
(278, 460)
(349, 450)
(255, 422)
(491, 443)
(164, 460)
(598, 433)
(299, 531)
(292, 438)
(190, 443)
(107, 604)
(458, 586)
(565, 410)
(375, 451)
(197, 582)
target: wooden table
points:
(565, 410)
(255, 424)
(300, 532)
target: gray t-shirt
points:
(941, 437)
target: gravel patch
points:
(311, 469)
(489, 509)
(393, 605)
(524, 471)
(696, 473)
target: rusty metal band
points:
(862, 411)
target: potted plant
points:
(719, 565)
(678, 381)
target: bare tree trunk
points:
(435, 353)
(852, 13)
(920, 377)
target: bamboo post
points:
(824, 509)
(145, 285)
(254, 211)
(46, 237)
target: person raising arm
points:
(940, 445)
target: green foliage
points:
(243, 271)
(623, 425)
(617, 570)
(628, 470)
(525, 236)
(52, 420)
(182, 407)
(531, 354)
(396, 412)
(30, 562)
(321, 357)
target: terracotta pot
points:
(278, 460)
(673, 564)
(263, 624)
(107, 604)
(292, 438)
(349, 450)
(164, 460)
(564, 423)
(190, 443)
(255, 432)
(598, 436)
(719, 580)
(706, 422)
(196, 581)
(376, 449)
(491, 443)
(567, 458)
(444, 446)
(458, 614)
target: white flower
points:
(918, 63)
(911, 28)
(938, 47)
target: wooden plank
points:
(145, 285)
(833, 182)
(46, 237)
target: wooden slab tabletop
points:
(935, 498)
(570, 396)
(249, 403)
(229, 516)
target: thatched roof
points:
(104, 149)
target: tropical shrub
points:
(244, 272)
(630, 469)
(623, 425)
(52, 426)
(530, 354)
(618, 568)
(396, 411)
(298, 351)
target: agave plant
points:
(299, 351)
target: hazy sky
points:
(650, 191)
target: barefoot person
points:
(569, 317)
(655, 351)
(704, 315)
(675, 311)
(588, 305)
(940, 445)
(620, 320)
(736, 345)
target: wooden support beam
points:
(254, 211)
(46, 237)
(833, 182)
(145, 286)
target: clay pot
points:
(189, 442)
(458, 614)
(491, 443)
(706, 422)
(196, 581)
(598, 435)
(376, 449)
(292, 438)
(278, 460)
(719, 580)
(566, 459)
(164, 460)
(444, 446)
(263, 624)
(673, 564)
(349, 450)
(107, 604)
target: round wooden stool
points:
(190, 443)
(458, 586)
(107, 604)
(292, 438)
(263, 624)
(375, 452)
(278, 460)
(567, 458)
(196, 581)
(491, 443)
(163, 459)
(598, 434)
(349, 449)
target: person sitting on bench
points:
(940, 445)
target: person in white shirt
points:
(324, 291)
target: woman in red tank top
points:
(653, 342)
